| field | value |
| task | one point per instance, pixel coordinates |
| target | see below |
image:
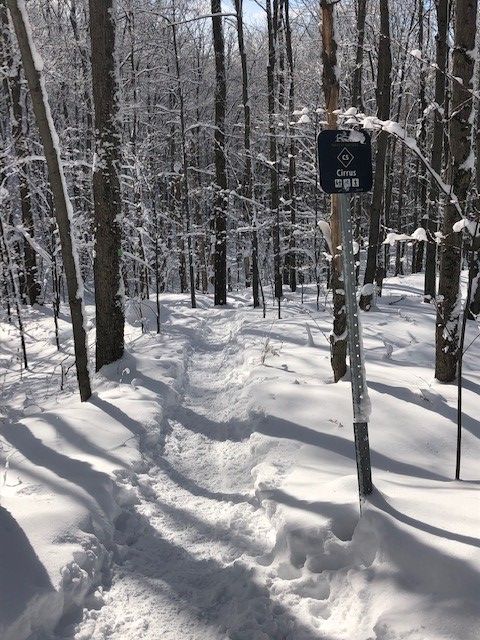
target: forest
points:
(165, 242)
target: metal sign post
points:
(361, 402)
(345, 166)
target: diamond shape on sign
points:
(345, 157)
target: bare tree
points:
(383, 91)
(220, 160)
(441, 56)
(110, 315)
(331, 89)
(460, 171)
(63, 209)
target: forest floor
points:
(208, 490)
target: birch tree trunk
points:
(460, 172)
(109, 293)
(32, 65)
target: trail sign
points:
(345, 166)
(345, 161)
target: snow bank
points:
(66, 466)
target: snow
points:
(327, 234)
(368, 289)
(304, 119)
(209, 488)
(420, 235)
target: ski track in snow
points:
(189, 573)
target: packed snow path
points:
(189, 573)
(215, 463)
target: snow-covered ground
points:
(208, 491)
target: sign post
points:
(345, 166)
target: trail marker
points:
(345, 161)
(345, 166)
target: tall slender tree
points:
(442, 8)
(33, 65)
(109, 297)
(383, 91)
(220, 256)
(29, 285)
(248, 182)
(460, 171)
(331, 89)
(272, 24)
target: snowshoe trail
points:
(190, 543)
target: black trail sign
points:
(345, 161)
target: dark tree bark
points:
(417, 261)
(220, 257)
(460, 177)
(274, 189)
(248, 182)
(357, 97)
(30, 287)
(292, 168)
(383, 90)
(185, 193)
(441, 56)
(110, 315)
(62, 205)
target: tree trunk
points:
(292, 170)
(383, 112)
(248, 186)
(274, 189)
(220, 257)
(30, 288)
(331, 89)
(357, 98)
(62, 205)
(185, 193)
(441, 57)
(109, 293)
(460, 177)
(417, 263)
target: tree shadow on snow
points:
(196, 490)
(22, 575)
(95, 484)
(211, 594)
(447, 584)
(381, 503)
(448, 412)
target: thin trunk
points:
(274, 188)
(357, 97)
(220, 258)
(331, 89)
(441, 58)
(248, 182)
(292, 171)
(63, 207)
(383, 90)
(460, 177)
(186, 213)
(30, 287)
